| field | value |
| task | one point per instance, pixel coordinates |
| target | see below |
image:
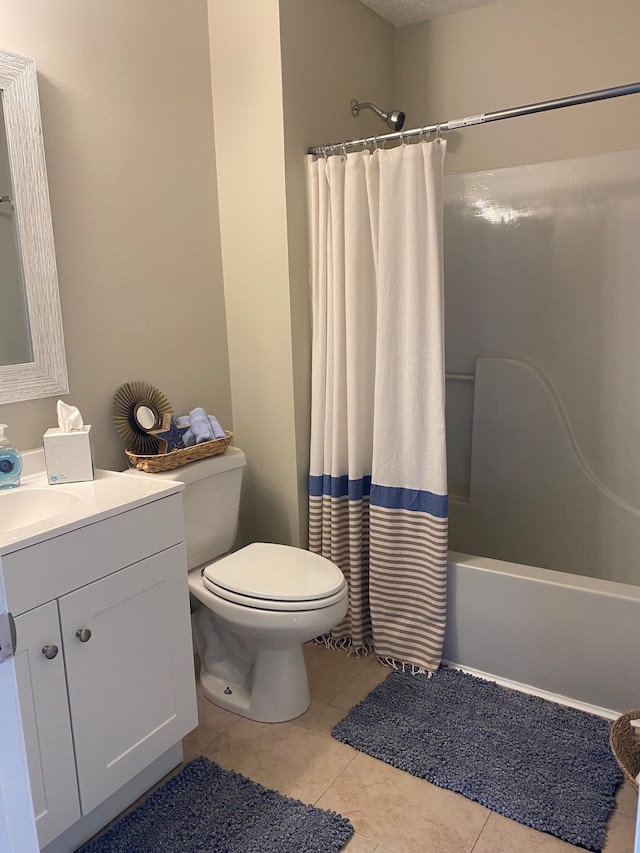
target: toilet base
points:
(276, 688)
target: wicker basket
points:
(177, 458)
(625, 745)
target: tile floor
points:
(392, 811)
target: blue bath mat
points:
(536, 762)
(206, 809)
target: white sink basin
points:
(35, 511)
(22, 507)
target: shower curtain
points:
(377, 484)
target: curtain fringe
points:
(346, 643)
(400, 666)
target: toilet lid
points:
(275, 573)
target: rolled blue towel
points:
(200, 425)
(204, 427)
(218, 432)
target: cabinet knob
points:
(83, 634)
(50, 651)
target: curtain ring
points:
(438, 132)
(403, 138)
(343, 151)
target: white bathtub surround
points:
(542, 354)
(562, 636)
(378, 489)
(528, 470)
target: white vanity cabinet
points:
(46, 723)
(104, 660)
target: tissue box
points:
(68, 455)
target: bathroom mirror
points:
(146, 417)
(33, 365)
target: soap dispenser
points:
(10, 462)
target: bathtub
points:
(570, 638)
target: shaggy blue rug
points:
(536, 762)
(206, 809)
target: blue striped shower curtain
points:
(377, 484)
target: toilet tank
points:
(211, 504)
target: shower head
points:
(393, 119)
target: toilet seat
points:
(275, 577)
(271, 604)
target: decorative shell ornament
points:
(138, 408)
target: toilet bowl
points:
(252, 608)
(257, 607)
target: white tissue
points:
(69, 418)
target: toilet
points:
(252, 608)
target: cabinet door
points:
(44, 709)
(17, 821)
(131, 683)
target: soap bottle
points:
(10, 462)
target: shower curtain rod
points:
(454, 124)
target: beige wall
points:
(505, 55)
(284, 72)
(247, 98)
(126, 98)
(332, 52)
(127, 118)
(126, 92)
(518, 52)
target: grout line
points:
(348, 764)
(355, 678)
(215, 737)
(480, 833)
